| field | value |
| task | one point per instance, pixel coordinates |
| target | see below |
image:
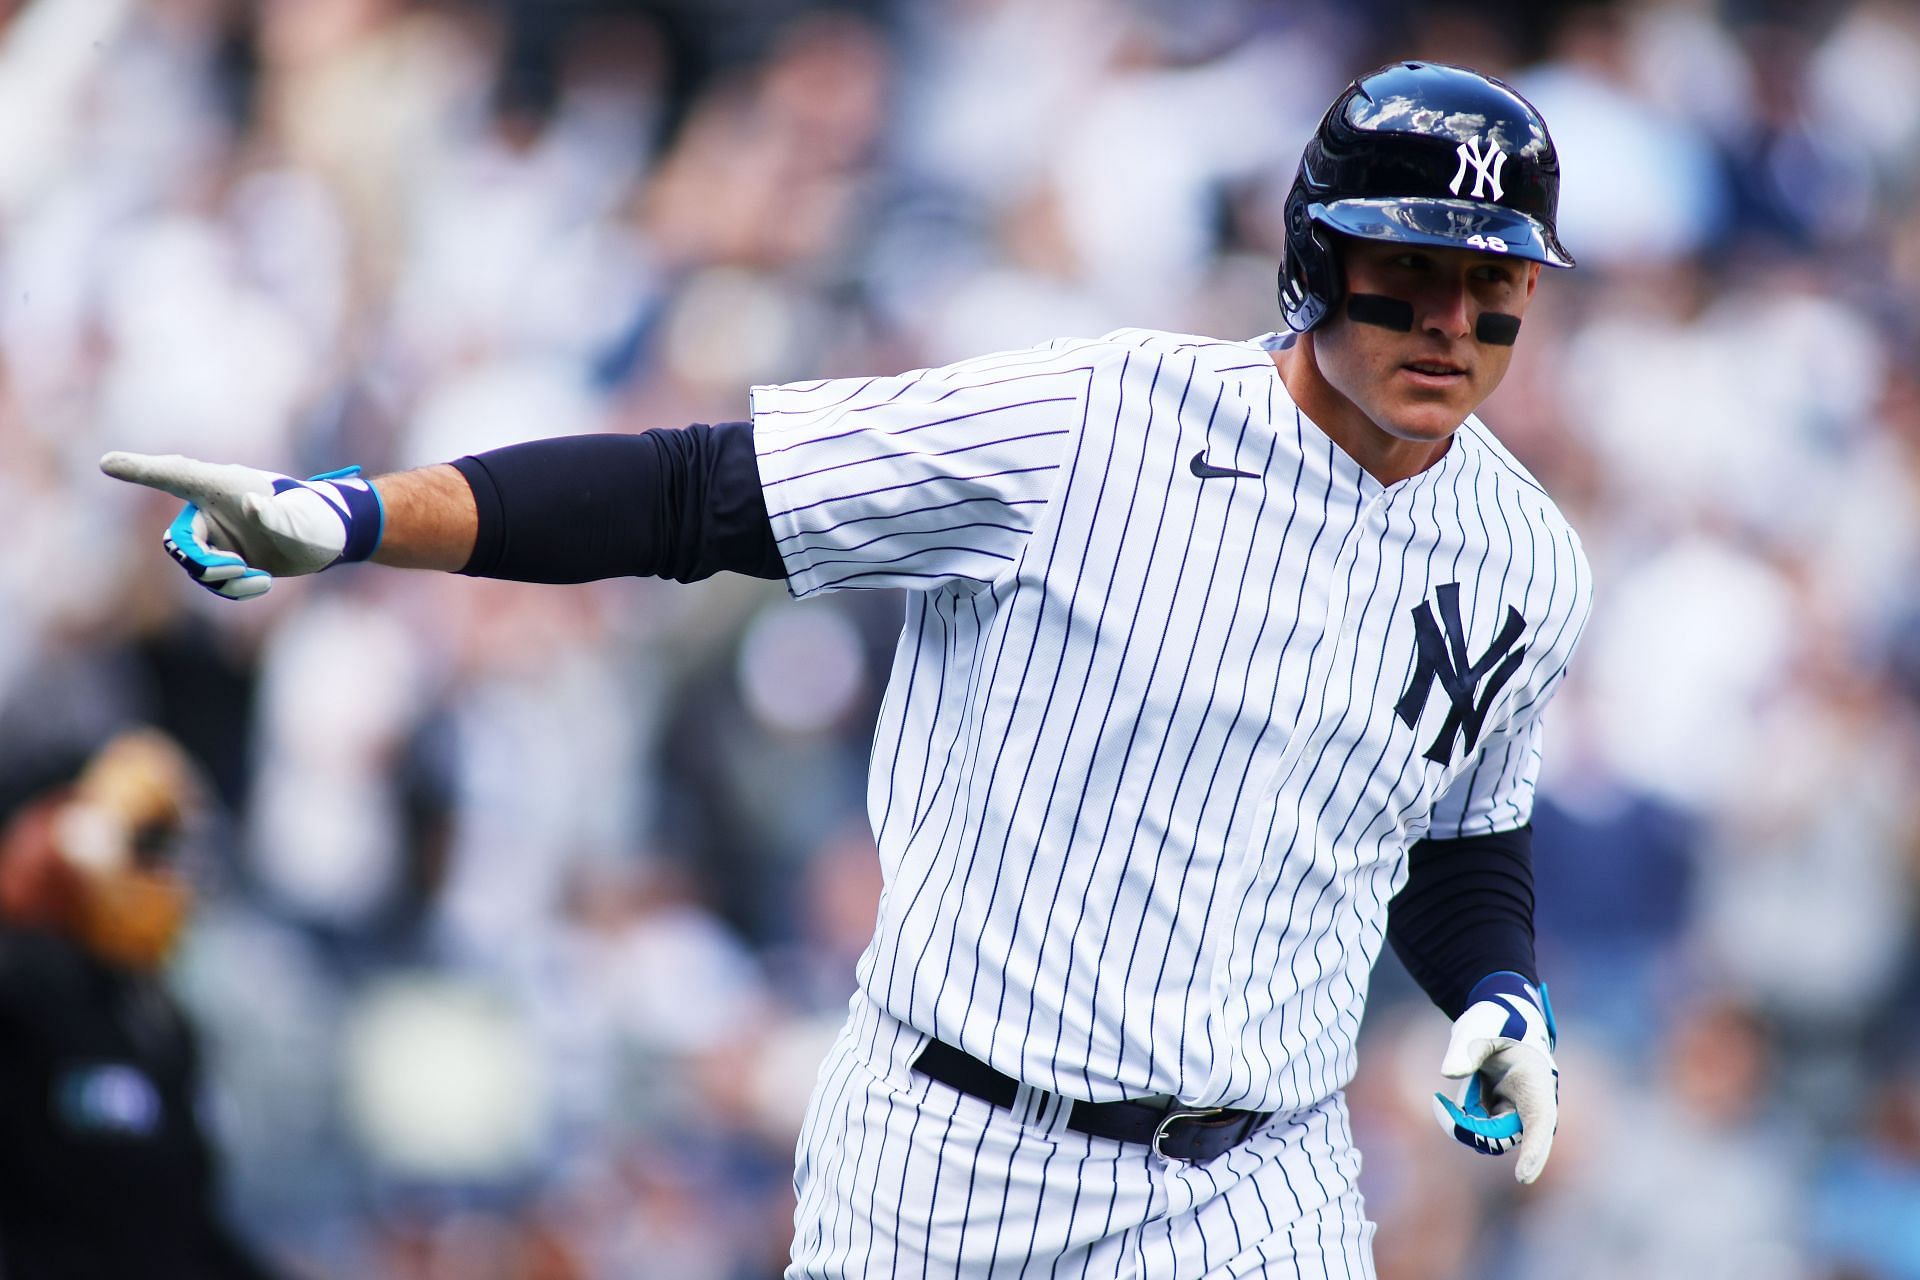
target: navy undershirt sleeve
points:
(682, 504)
(1466, 911)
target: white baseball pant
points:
(900, 1175)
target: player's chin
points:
(1428, 419)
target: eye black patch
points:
(1378, 309)
(1496, 328)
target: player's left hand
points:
(1502, 1045)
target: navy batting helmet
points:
(1422, 153)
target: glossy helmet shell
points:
(1419, 153)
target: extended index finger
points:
(185, 478)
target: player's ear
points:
(1533, 279)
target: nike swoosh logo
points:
(1199, 465)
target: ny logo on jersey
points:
(1486, 168)
(1443, 656)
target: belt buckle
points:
(1180, 1113)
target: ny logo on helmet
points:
(1486, 168)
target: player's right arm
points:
(916, 481)
(425, 517)
(683, 504)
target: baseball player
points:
(1213, 650)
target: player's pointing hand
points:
(1502, 1045)
(241, 528)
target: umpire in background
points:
(104, 1170)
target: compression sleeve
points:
(682, 504)
(1466, 911)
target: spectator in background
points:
(104, 1170)
(1693, 1178)
(1864, 1199)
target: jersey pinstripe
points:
(1140, 785)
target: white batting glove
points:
(241, 528)
(1503, 1047)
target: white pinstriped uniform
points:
(1139, 788)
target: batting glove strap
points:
(355, 501)
(1523, 1002)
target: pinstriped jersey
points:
(1179, 684)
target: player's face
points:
(1420, 385)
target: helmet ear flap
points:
(1310, 278)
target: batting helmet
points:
(1421, 153)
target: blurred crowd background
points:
(527, 912)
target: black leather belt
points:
(1174, 1131)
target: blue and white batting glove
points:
(241, 528)
(1502, 1046)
